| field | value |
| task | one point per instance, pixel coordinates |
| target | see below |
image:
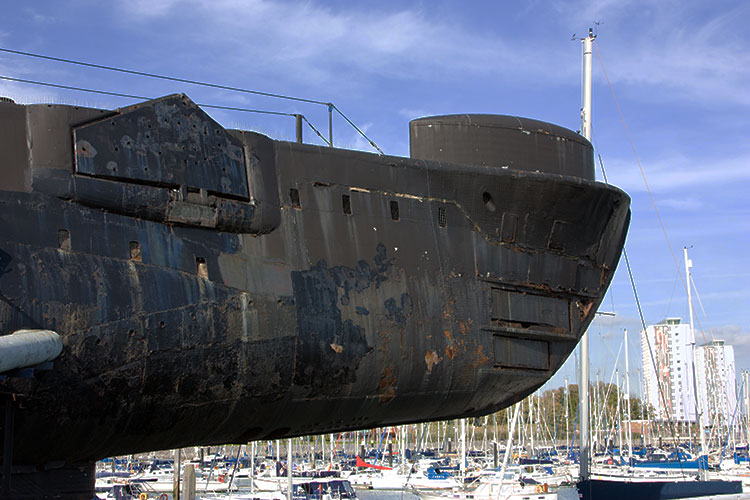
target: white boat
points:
(510, 489)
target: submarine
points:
(211, 286)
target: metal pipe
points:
(330, 125)
(298, 120)
(26, 348)
(586, 86)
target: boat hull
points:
(336, 290)
(655, 489)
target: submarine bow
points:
(217, 286)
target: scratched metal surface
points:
(194, 315)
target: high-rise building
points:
(667, 351)
(668, 359)
(716, 377)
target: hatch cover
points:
(167, 141)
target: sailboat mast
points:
(463, 448)
(588, 43)
(567, 416)
(627, 395)
(698, 402)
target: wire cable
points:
(661, 391)
(162, 77)
(643, 175)
(330, 105)
(143, 98)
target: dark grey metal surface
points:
(503, 142)
(192, 316)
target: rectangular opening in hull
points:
(521, 353)
(529, 309)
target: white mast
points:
(531, 423)
(627, 395)
(747, 406)
(619, 410)
(289, 483)
(584, 385)
(698, 405)
(463, 448)
(252, 467)
(567, 416)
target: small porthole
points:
(202, 268)
(294, 198)
(394, 210)
(489, 203)
(346, 201)
(442, 219)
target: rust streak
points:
(482, 358)
(450, 351)
(387, 385)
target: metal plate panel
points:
(168, 141)
(529, 308)
(521, 353)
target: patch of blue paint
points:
(399, 313)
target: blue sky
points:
(680, 71)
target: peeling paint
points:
(337, 348)
(431, 358)
(450, 351)
(401, 311)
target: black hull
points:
(308, 290)
(599, 489)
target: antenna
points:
(596, 28)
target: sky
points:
(671, 106)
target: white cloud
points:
(320, 44)
(734, 335)
(414, 113)
(680, 49)
(677, 172)
(147, 9)
(684, 204)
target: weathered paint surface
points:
(298, 290)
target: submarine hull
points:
(215, 286)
